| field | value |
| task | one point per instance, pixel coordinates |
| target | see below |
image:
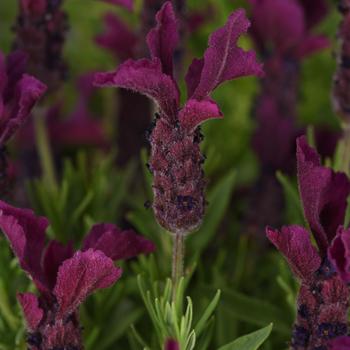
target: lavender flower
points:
(40, 32)
(323, 297)
(63, 278)
(176, 161)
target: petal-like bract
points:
(26, 233)
(223, 60)
(55, 254)
(81, 275)
(31, 310)
(28, 91)
(295, 244)
(339, 253)
(115, 243)
(164, 38)
(146, 77)
(323, 192)
(117, 37)
(196, 112)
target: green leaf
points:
(294, 207)
(347, 213)
(255, 311)
(207, 313)
(250, 341)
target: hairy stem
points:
(44, 150)
(178, 260)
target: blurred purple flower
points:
(283, 33)
(40, 32)
(64, 277)
(285, 26)
(176, 161)
(323, 297)
(18, 94)
(80, 127)
(117, 37)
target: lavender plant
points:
(230, 284)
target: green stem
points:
(178, 260)
(44, 150)
(346, 150)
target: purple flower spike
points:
(171, 344)
(324, 194)
(64, 278)
(339, 253)
(340, 343)
(295, 244)
(18, 94)
(176, 161)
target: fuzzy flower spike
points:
(63, 277)
(324, 296)
(176, 160)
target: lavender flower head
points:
(63, 277)
(176, 160)
(323, 299)
(40, 32)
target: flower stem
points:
(178, 260)
(44, 150)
